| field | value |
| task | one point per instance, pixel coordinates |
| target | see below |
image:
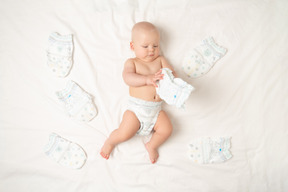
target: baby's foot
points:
(153, 153)
(106, 150)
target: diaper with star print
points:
(174, 91)
(208, 150)
(59, 54)
(199, 60)
(65, 152)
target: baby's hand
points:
(152, 79)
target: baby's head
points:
(145, 41)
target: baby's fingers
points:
(159, 72)
(156, 79)
(158, 76)
(154, 84)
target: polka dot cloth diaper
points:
(65, 152)
(198, 61)
(210, 150)
(59, 54)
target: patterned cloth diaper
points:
(174, 91)
(65, 152)
(78, 103)
(59, 54)
(210, 150)
(201, 59)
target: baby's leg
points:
(163, 129)
(127, 129)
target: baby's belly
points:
(147, 93)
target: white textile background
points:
(244, 96)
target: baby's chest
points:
(148, 68)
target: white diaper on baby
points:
(210, 150)
(147, 113)
(174, 91)
(78, 103)
(59, 54)
(65, 152)
(201, 59)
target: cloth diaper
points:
(78, 103)
(201, 59)
(210, 150)
(59, 54)
(65, 152)
(174, 91)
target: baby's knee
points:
(165, 120)
(169, 129)
(164, 131)
(164, 125)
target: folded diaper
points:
(78, 103)
(210, 150)
(59, 54)
(201, 59)
(174, 91)
(65, 152)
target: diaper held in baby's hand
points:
(174, 91)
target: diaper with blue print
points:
(60, 54)
(199, 60)
(209, 150)
(78, 103)
(65, 152)
(174, 91)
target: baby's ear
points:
(131, 46)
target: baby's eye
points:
(145, 47)
(155, 46)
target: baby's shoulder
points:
(161, 58)
(130, 61)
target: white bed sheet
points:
(244, 96)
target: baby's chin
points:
(150, 58)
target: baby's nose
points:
(151, 48)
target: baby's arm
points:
(165, 64)
(134, 79)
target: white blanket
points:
(244, 96)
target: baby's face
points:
(146, 45)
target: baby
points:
(144, 114)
